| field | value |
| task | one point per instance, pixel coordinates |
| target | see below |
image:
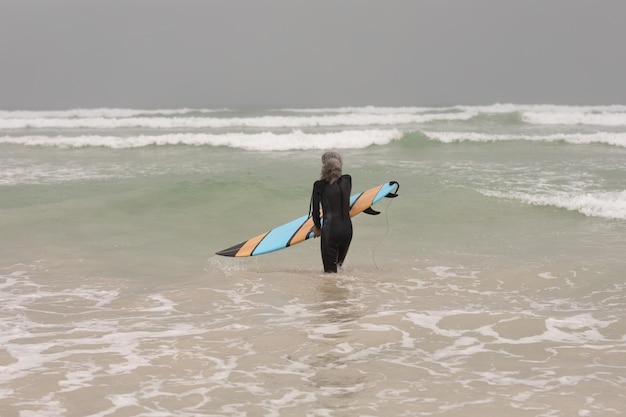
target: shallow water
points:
(250, 340)
(493, 285)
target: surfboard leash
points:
(384, 236)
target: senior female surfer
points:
(331, 193)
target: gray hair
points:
(331, 166)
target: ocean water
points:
(494, 285)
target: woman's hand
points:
(316, 232)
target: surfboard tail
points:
(364, 201)
(390, 194)
(394, 193)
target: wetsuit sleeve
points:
(348, 178)
(316, 199)
(347, 190)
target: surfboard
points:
(299, 230)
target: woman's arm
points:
(316, 198)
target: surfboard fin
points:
(371, 211)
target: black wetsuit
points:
(334, 200)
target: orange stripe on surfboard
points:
(250, 245)
(364, 201)
(302, 232)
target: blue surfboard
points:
(300, 229)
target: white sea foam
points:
(608, 204)
(608, 115)
(103, 118)
(543, 108)
(195, 122)
(266, 141)
(51, 173)
(238, 339)
(549, 114)
(607, 138)
(496, 108)
(578, 329)
(576, 118)
(100, 113)
(377, 110)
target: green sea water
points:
(494, 284)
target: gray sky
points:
(209, 53)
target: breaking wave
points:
(607, 204)
(266, 141)
(607, 138)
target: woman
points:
(331, 193)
